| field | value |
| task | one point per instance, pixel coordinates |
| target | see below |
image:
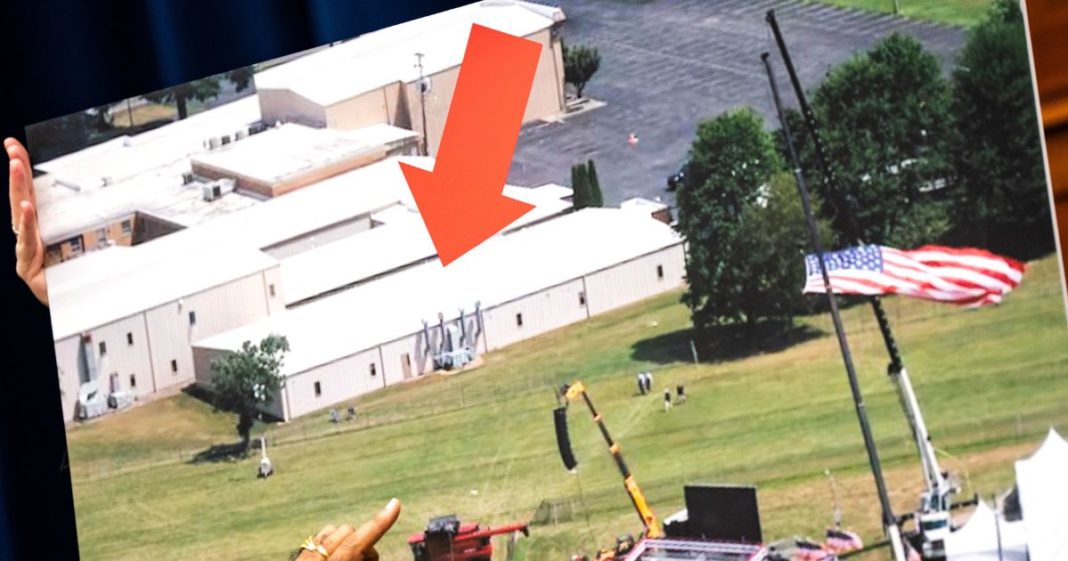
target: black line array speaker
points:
(563, 439)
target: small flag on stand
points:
(962, 276)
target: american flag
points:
(842, 541)
(962, 276)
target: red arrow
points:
(461, 201)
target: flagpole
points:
(889, 521)
(896, 364)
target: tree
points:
(885, 120)
(998, 158)
(774, 238)
(580, 64)
(248, 379)
(731, 160)
(581, 195)
(596, 196)
(242, 77)
(199, 90)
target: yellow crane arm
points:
(652, 525)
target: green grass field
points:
(964, 13)
(481, 444)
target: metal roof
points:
(387, 56)
(293, 150)
(504, 268)
(88, 306)
(101, 183)
(400, 241)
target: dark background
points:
(64, 56)
(59, 57)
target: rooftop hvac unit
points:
(212, 191)
(240, 134)
(187, 177)
(226, 185)
(226, 139)
(217, 189)
(214, 142)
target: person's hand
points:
(29, 249)
(344, 543)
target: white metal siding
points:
(276, 303)
(340, 380)
(123, 358)
(202, 359)
(393, 358)
(287, 106)
(635, 280)
(217, 309)
(67, 365)
(542, 312)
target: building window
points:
(582, 298)
(519, 320)
(374, 371)
(133, 381)
(174, 366)
(192, 318)
(101, 237)
(75, 244)
(271, 289)
(127, 227)
(103, 348)
(659, 271)
(318, 389)
(129, 338)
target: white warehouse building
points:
(524, 284)
(133, 322)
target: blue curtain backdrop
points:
(64, 56)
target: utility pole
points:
(889, 521)
(422, 100)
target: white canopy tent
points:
(1043, 484)
(987, 537)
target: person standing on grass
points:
(667, 400)
(641, 383)
(335, 543)
(680, 393)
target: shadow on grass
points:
(726, 342)
(222, 453)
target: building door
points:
(114, 382)
(406, 365)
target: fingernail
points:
(391, 504)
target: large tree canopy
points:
(885, 120)
(731, 161)
(999, 154)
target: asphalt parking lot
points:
(668, 64)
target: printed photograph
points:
(788, 290)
